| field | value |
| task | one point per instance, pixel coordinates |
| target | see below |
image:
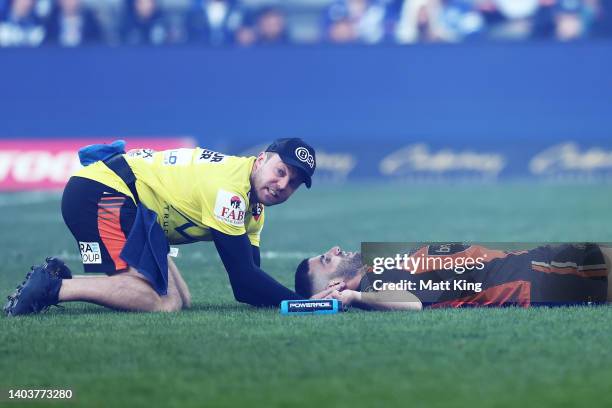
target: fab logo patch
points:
(90, 252)
(230, 208)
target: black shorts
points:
(100, 219)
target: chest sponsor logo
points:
(90, 252)
(230, 208)
(446, 249)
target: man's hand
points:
(347, 297)
(326, 293)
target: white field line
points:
(286, 255)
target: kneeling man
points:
(125, 209)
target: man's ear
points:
(261, 158)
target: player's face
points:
(273, 181)
(333, 266)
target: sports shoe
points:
(57, 267)
(39, 290)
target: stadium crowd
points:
(70, 23)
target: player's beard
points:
(349, 267)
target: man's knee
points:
(174, 276)
(171, 302)
(186, 299)
(153, 302)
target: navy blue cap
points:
(297, 153)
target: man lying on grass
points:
(545, 276)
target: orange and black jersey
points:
(546, 275)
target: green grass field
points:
(223, 354)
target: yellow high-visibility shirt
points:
(191, 190)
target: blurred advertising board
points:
(43, 164)
(423, 160)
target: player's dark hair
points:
(303, 286)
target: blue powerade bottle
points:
(311, 306)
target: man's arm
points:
(249, 283)
(256, 255)
(383, 300)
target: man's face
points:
(273, 181)
(333, 266)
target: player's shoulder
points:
(225, 171)
(94, 170)
(227, 163)
(206, 155)
(187, 155)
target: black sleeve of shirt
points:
(256, 256)
(249, 283)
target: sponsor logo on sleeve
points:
(230, 208)
(90, 252)
(144, 154)
(178, 157)
(209, 156)
(257, 211)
